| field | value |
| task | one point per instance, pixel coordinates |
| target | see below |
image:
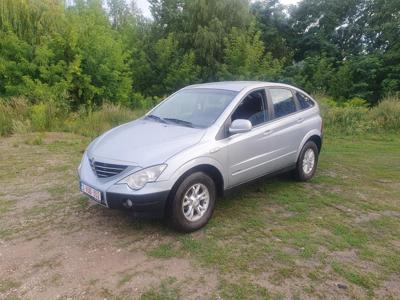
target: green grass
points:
(6, 206)
(163, 251)
(280, 225)
(7, 284)
(366, 280)
(167, 290)
(242, 290)
(273, 239)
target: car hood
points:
(143, 143)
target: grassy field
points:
(337, 236)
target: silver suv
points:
(200, 142)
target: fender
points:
(201, 160)
(306, 138)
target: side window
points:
(252, 108)
(304, 101)
(283, 102)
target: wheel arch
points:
(317, 140)
(315, 136)
(208, 169)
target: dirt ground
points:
(55, 244)
(58, 244)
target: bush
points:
(356, 102)
(386, 114)
(138, 101)
(354, 115)
(12, 111)
(346, 119)
(93, 123)
(47, 116)
(17, 116)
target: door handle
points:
(300, 120)
(216, 149)
(267, 132)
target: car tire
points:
(193, 202)
(307, 162)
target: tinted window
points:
(304, 101)
(252, 108)
(199, 107)
(283, 102)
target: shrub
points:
(39, 117)
(12, 111)
(356, 102)
(346, 119)
(386, 114)
(93, 123)
(354, 115)
(17, 116)
(21, 126)
(47, 116)
(141, 102)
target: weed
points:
(164, 251)
(166, 291)
(243, 289)
(8, 284)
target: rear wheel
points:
(307, 162)
(193, 203)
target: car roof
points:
(236, 86)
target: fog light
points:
(128, 203)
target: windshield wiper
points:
(178, 121)
(154, 117)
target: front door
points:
(250, 152)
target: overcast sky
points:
(144, 5)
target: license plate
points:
(91, 192)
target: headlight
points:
(138, 180)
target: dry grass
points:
(275, 239)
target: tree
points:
(245, 58)
(323, 26)
(71, 54)
(201, 26)
(171, 67)
(273, 23)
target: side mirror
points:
(240, 126)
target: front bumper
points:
(140, 204)
(150, 200)
(144, 204)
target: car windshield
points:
(193, 107)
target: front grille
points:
(104, 170)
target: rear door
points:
(286, 133)
(309, 117)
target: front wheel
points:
(307, 162)
(193, 203)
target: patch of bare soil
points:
(390, 289)
(84, 264)
(326, 289)
(58, 246)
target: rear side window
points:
(304, 101)
(283, 102)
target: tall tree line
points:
(86, 52)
